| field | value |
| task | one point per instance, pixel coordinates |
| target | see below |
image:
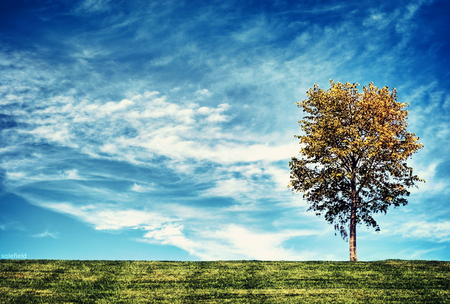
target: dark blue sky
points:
(163, 129)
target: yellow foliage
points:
(353, 152)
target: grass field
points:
(60, 281)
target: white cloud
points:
(165, 232)
(172, 235)
(148, 94)
(87, 52)
(109, 148)
(14, 225)
(114, 106)
(379, 20)
(216, 117)
(198, 238)
(72, 174)
(162, 61)
(111, 219)
(227, 153)
(46, 234)
(118, 219)
(231, 242)
(15, 175)
(427, 171)
(159, 108)
(231, 188)
(88, 207)
(261, 246)
(140, 188)
(203, 92)
(439, 230)
(419, 254)
(57, 133)
(204, 110)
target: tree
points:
(353, 156)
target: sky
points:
(163, 130)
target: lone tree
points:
(353, 155)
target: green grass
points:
(55, 281)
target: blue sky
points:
(162, 130)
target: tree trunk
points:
(353, 208)
(353, 256)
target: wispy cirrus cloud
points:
(232, 242)
(46, 233)
(439, 230)
(181, 125)
(107, 218)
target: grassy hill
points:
(61, 281)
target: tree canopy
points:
(353, 156)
